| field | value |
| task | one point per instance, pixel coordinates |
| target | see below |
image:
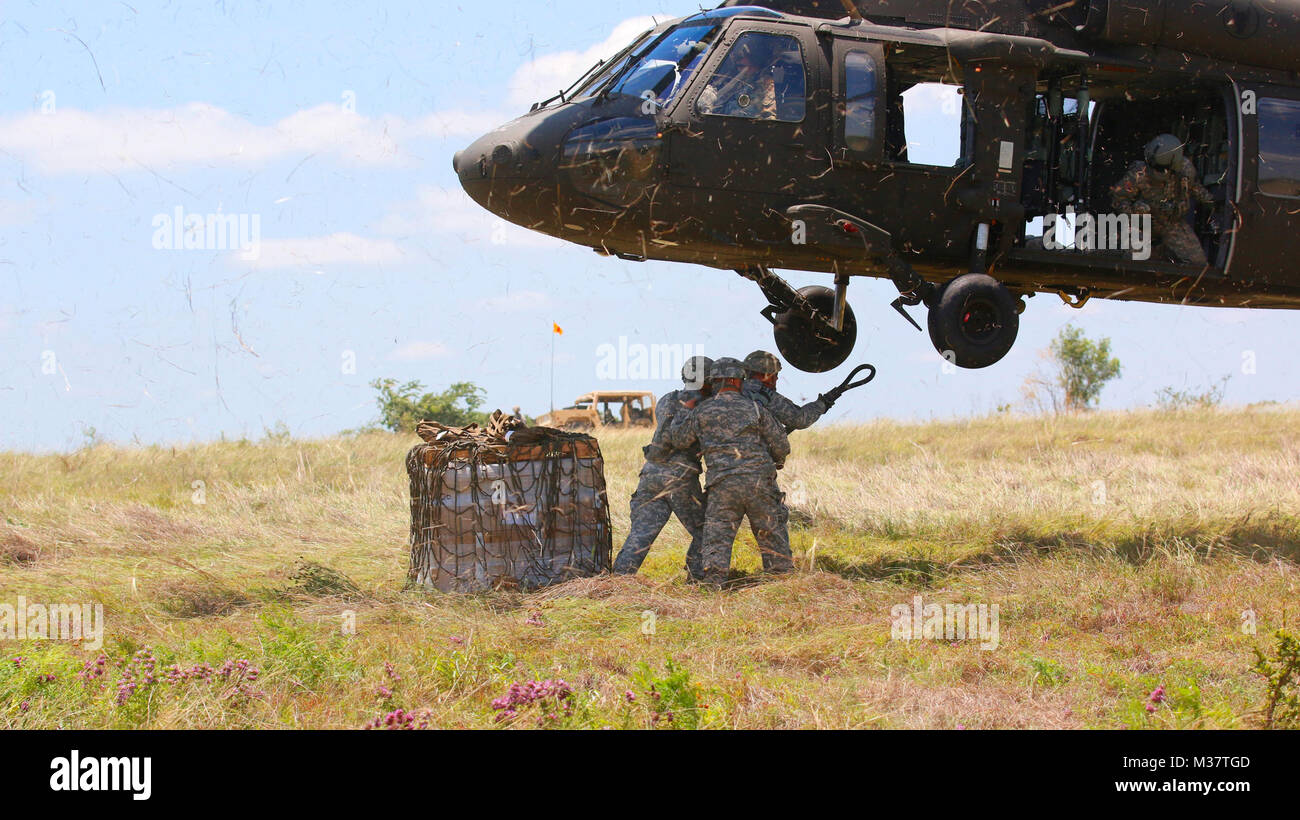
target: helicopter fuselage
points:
(754, 140)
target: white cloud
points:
(547, 75)
(451, 212)
(320, 251)
(74, 141)
(419, 352)
(200, 134)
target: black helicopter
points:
(756, 138)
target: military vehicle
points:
(757, 138)
(604, 408)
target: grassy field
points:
(1121, 549)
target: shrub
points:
(1281, 674)
(403, 406)
(1171, 400)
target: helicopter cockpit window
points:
(1279, 147)
(761, 78)
(599, 74)
(859, 101)
(664, 70)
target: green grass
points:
(1121, 549)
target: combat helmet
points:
(726, 368)
(762, 363)
(696, 370)
(1164, 151)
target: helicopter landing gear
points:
(809, 346)
(814, 327)
(974, 321)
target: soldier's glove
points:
(831, 396)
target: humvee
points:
(604, 408)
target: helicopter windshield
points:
(600, 73)
(664, 67)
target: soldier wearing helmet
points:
(761, 370)
(743, 447)
(1164, 186)
(670, 480)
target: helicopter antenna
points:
(852, 8)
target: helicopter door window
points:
(934, 130)
(761, 78)
(859, 101)
(1279, 147)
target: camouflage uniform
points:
(787, 412)
(670, 483)
(743, 446)
(793, 417)
(1167, 197)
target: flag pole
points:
(553, 335)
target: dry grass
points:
(1122, 550)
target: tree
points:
(1083, 368)
(403, 406)
(1077, 370)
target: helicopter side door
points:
(748, 122)
(1270, 186)
(859, 101)
(929, 151)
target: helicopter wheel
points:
(802, 347)
(974, 322)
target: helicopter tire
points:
(799, 343)
(975, 322)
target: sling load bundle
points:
(506, 506)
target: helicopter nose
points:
(497, 156)
(506, 173)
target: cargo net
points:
(506, 506)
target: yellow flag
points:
(559, 331)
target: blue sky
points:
(334, 124)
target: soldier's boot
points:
(715, 577)
(778, 564)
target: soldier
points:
(670, 481)
(1163, 186)
(761, 372)
(743, 447)
(745, 86)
